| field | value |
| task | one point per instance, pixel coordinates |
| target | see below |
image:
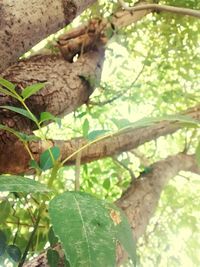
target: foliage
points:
(163, 80)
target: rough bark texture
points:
(67, 88)
(113, 145)
(23, 23)
(67, 85)
(140, 200)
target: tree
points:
(48, 84)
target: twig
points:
(165, 8)
(189, 142)
(123, 92)
(29, 242)
(77, 171)
(125, 167)
(143, 159)
(25, 224)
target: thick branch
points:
(139, 202)
(116, 144)
(67, 85)
(25, 23)
(165, 8)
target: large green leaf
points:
(32, 89)
(85, 229)
(21, 111)
(15, 183)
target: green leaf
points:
(28, 138)
(197, 154)
(52, 238)
(181, 118)
(3, 244)
(82, 114)
(5, 209)
(46, 161)
(66, 263)
(123, 232)
(145, 122)
(21, 111)
(96, 134)
(106, 184)
(121, 123)
(53, 258)
(33, 164)
(85, 127)
(6, 92)
(32, 89)
(84, 228)
(46, 116)
(5, 83)
(14, 183)
(22, 136)
(14, 252)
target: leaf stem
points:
(77, 171)
(53, 174)
(30, 241)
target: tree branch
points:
(24, 23)
(165, 8)
(115, 144)
(140, 200)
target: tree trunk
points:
(24, 23)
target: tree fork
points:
(22, 28)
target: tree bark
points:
(24, 23)
(113, 145)
(66, 89)
(67, 86)
(164, 8)
(140, 200)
